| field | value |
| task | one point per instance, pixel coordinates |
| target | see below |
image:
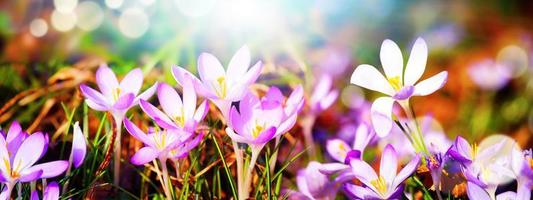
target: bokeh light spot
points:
(133, 23)
(63, 21)
(114, 4)
(38, 27)
(65, 6)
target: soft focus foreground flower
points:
(79, 146)
(21, 168)
(388, 185)
(312, 184)
(158, 144)
(51, 192)
(219, 85)
(177, 114)
(490, 75)
(522, 166)
(397, 84)
(323, 95)
(114, 96)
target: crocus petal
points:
(189, 99)
(363, 135)
(179, 75)
(14, 131)
(476, 193)
(170, 100)
(30, 151)
(431, 85)
(296, 97)
(358, 192)
(132, 82)
(236, 121)
(124, 102)
(391, 59)
(321, 89)
(417, 62)
(93, 95)
(337, 149)
(79, 146)
(159, 117)
(146, 94)
(463, 148)
(363, 172)
(137, 133)
(210, 68)
(523, 192)
(51, 192)
(251, 76)
(106, 80)
(4, 195)
(265, 136)
(370, 78)
(201, 111)
(50, 169)
(509, 195)
(235, 137)
(381, 112)
(238, 64)
(406, 171)
(287, 124)
(487, 153)
(404, 93)
(389, 164)
(144, 155)
(331, 168)
(33, 196)
(96, 106)
(30, 175)
(4, 156)
(14, 144)
(301, 183)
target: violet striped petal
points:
(144, 155)
(50, 169)
(132, 82)
(106, 80)
(124, 102)
(79, 146)
(51, 192)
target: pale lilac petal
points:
(389, 164)
(358, 192)
(238, 64)
(201, 111)
(523, 192)
(391, 59)
(146, 94)
(322, 89)
(489, 152)
(4, 156)
(179, 74)
(363, 136)
(210, 68)
(431, 84)
(381, 112)
(287, 124)
(5, 195)
(170, 100)
(96, 106)
(51, 192)
(404, 93)
(30, 151)
(30, 175)
(14, 131)
(301, 183)
(235, 137)
(79, 146)
(344, 176)
(331, 168)
(50, 169)
(144, 155)
(296, 97)
(236, 92)
(509, 195)
(406, 171)
(265, 136)
(463, 149)
(159, 117)
(93, 95)
(329, 99)
(106, 80)
(138, 133)
(124, 102)
(476, 193)
(363, 172)
(251, 76)
(369, 77)
(236, 120)
(337, 149)
(14, 144)
(189, 99)
(132, 82)
(417, 62)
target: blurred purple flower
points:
(490, 75)
(324, 95)
(222, 86)
(177, 114)
(313, 185)
(51, 192)
(522, 166)
(388, 185)
(114, 96)
(79, 146)
(398, 86)
(158, 144)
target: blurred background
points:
(48, 47)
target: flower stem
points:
(307, 124)
(274, 157)
(249, 172)
(9, 186)
(166, 180)
(116, 163)
(239, 160)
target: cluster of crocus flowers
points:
(222, 86)
(20, 151)
(313, 184)
(116, 98)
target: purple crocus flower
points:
(475, 192)
(398, 85)
(324, 95)
(388, 185)
(14, 138)
(21, 168)
(177, 114)
(312, 184)
(114, 96)
(79, 146)
(522, 166)
(490, 75)
(222, 86)
(51, 192)
(158, 144)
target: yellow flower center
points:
(180, 120)
(380, 185)
(395, 82)
(257, 130)
(222, 90)
(160, 140)
(116, 93)
(474, 150)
